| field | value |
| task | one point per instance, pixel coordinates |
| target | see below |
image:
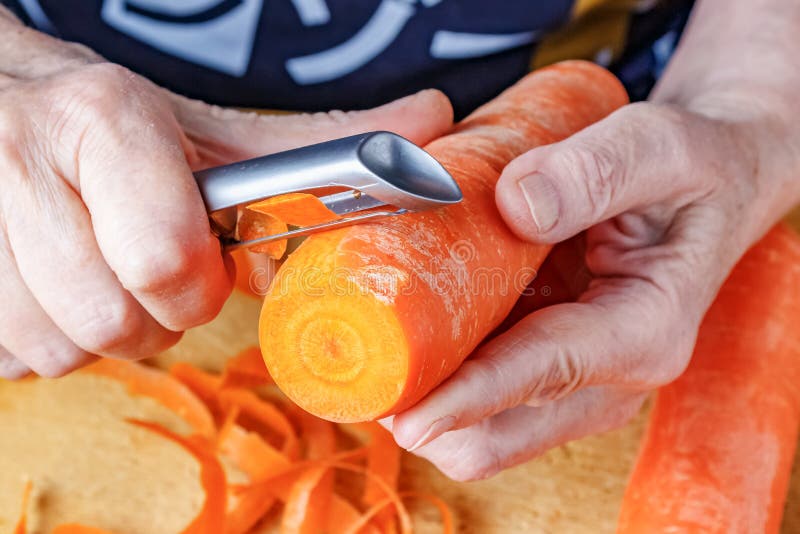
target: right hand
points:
(105, 245)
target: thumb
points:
(222, 134)
(640, 155)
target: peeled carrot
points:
(718, 451)
(362, 322)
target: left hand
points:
(669, 198)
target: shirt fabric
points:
(351, 54)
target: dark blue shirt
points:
(323, 54)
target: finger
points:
(615, 335)
(26, 331)
(223, 135)
(50, 236)
(10, 367)
(148, 216)
(636, 157)
(520, 434)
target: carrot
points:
(717, 454)
(378, 507)
(299, 209)
(308, 501)
(22, 523)
(74, 528)
(205, 385)
(362, 322)
(266, 416)
(156, 384)
(252, 225)
(383, 459)
(246, 369)
(211, 518)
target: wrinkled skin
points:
(105, 246)
(665, 197)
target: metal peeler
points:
(376, 169)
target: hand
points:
(105, 245)
(665, 200)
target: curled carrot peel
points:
(253, 225)
(362, 322)
(298, 209)
(246, 369)
(718, 451)
(383, 460)
(262, 413)
(211, 518)
(444, 510)
(160, 386)
(22, 523)
(74, 528)
(284, 455)
(307, 504)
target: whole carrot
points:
(718, 451)
(362, 322)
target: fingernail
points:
(542, 198)
(437, 428)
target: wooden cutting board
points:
(576, 488)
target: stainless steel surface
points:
(376, 168)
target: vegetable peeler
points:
(375, 169)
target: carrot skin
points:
(717, 454)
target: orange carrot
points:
(246, 369)
(362, 322)
(154, 383)
(265, 415)
(211, 518)
(22, 523)
(299, 209)
(307, 504)
(74, 528)
(258, 460)
(252, 225)
(205, 385)
(383, 459)
(378, 507)
(718, 451)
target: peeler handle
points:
(383, 165)
(331, 163)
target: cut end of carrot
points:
(339, 355)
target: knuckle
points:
(111, 92)
(158, 270)
(564, 373)
(596, 171)
(109, 328)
